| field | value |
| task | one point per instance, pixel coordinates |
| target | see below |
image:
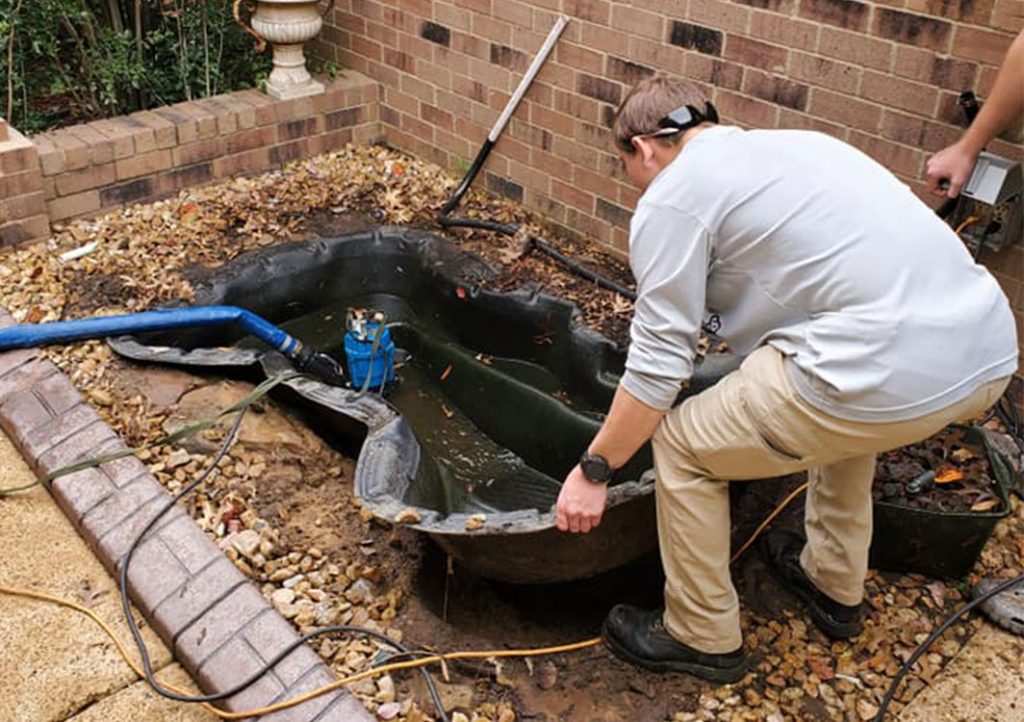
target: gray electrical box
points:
(990, 209)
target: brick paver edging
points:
(216, 622)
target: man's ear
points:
(644, 148)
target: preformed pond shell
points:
(500, 393)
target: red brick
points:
(76, 152)
(453, 17)
(719, 73)
(899, 93)
(491, 29)
(802, 121)
(154, 574)
(848, 14)
(729, 17)
(199, 151)
(604, 39)
(639, 22)
(771, 26)
(232, 664)
(906, 129)
(897, 158)
(917, 30)
(742, 110)
(754, 52)
(517, 13)
(985, 46)
(830, 74)
(51, 157)
(845, 110)
(262, 105)
(595, 11)
(579, 57)
(16, 159)
(572, 196)
(25, 230)
(23, 206)
(78, 447)
(775, 89)
(145, 164)
(80, 492)
(219, 623)
(81, 180)
(113, 546)
(855, 48)
(1007, 15)
(4, 132)
(101, 148)
(972, 11)
(118, 133)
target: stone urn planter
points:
(287, 24)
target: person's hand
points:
(953, 164)
(580, 503)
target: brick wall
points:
(22, 203)
(87, 169)
(883, 76)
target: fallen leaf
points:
(963, 454)
(447, 372)
(985, 505)
(948, 475)
(448, 413)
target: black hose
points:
(891, 692)
(511, 229)
(467, 180)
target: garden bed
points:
(320, 557)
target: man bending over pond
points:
(865, 325)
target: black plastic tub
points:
(939, 543)
(499, 395)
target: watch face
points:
(595, 468)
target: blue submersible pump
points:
(369, 349)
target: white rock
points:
(385, 689)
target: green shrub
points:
(70, 61)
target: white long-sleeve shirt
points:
(798, 240)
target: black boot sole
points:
(718, 675)
(831, 628)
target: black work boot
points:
(639, 637)
(781, 552)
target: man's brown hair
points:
(648, 102)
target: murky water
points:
(474, 473)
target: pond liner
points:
(426, 284)
(939, 543)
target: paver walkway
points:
(56, 664)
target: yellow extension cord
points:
(412, 664)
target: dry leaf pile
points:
(319, 559)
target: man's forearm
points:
(1005, 102)
(629, 424)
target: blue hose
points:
(41, 334)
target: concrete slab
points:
(139, 702)
(54, 661)
(984, 682)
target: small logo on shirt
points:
(712, 324)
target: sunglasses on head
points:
(685, 118)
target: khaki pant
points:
(753, 424)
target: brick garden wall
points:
(100, 166)
(883, 76)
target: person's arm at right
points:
(1006, 102)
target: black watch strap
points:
(596, 468)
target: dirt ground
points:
(282, 508)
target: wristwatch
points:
(595, 468)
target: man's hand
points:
(580, 503)
(952, 164)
